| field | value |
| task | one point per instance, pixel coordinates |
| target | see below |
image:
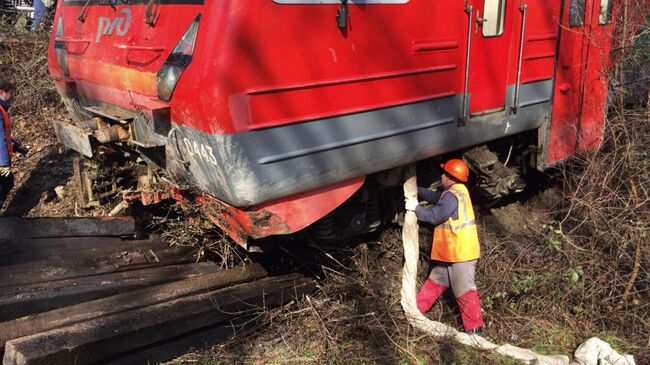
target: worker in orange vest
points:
(455, 249)
(7, 144)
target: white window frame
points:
(605, 12)
(499, 17)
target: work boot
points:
(470, 310)
(428, 294)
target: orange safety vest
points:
(7, 126)
(456, 240)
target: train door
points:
(490, 35)
(595, 84)
(580, 95)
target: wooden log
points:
(177, 346)
(22, 300)
(85, 263)
(101, 339)
(13, 252)
(17, 228)
(10, 246)
(127, 301)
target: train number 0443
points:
(200, 151)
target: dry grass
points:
(23, 60)
(605, 216)
(573, 263)
(182, 226)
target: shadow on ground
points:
(50, 171)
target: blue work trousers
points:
(39, 12)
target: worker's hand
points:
(5, 171)
(411, 204)
(23, 150)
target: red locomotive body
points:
(277, 111)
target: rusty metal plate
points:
(73, 137)
(110, 112)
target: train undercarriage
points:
(119, 174)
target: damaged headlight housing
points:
(171, 71)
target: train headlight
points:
(178, 60)
(59, 48)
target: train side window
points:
(577, 13)
(605, 14)
(494, 12)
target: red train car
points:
(277, 115)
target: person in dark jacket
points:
(7, 144)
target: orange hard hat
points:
(456, 168)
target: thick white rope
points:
(594, 351)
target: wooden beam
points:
(177, 346)
(20, 228)
(66, 243)
(127, 301)
(21, 300)
(100, 339)
(85, 263)
(13, 252)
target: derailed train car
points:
(279, 116)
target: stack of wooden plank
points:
(74, 292)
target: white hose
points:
(592, 352)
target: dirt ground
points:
(546, 283)
(47, 165)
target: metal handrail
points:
(469, 10)
(515, 103)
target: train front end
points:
(149, 86)
(277, 115)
